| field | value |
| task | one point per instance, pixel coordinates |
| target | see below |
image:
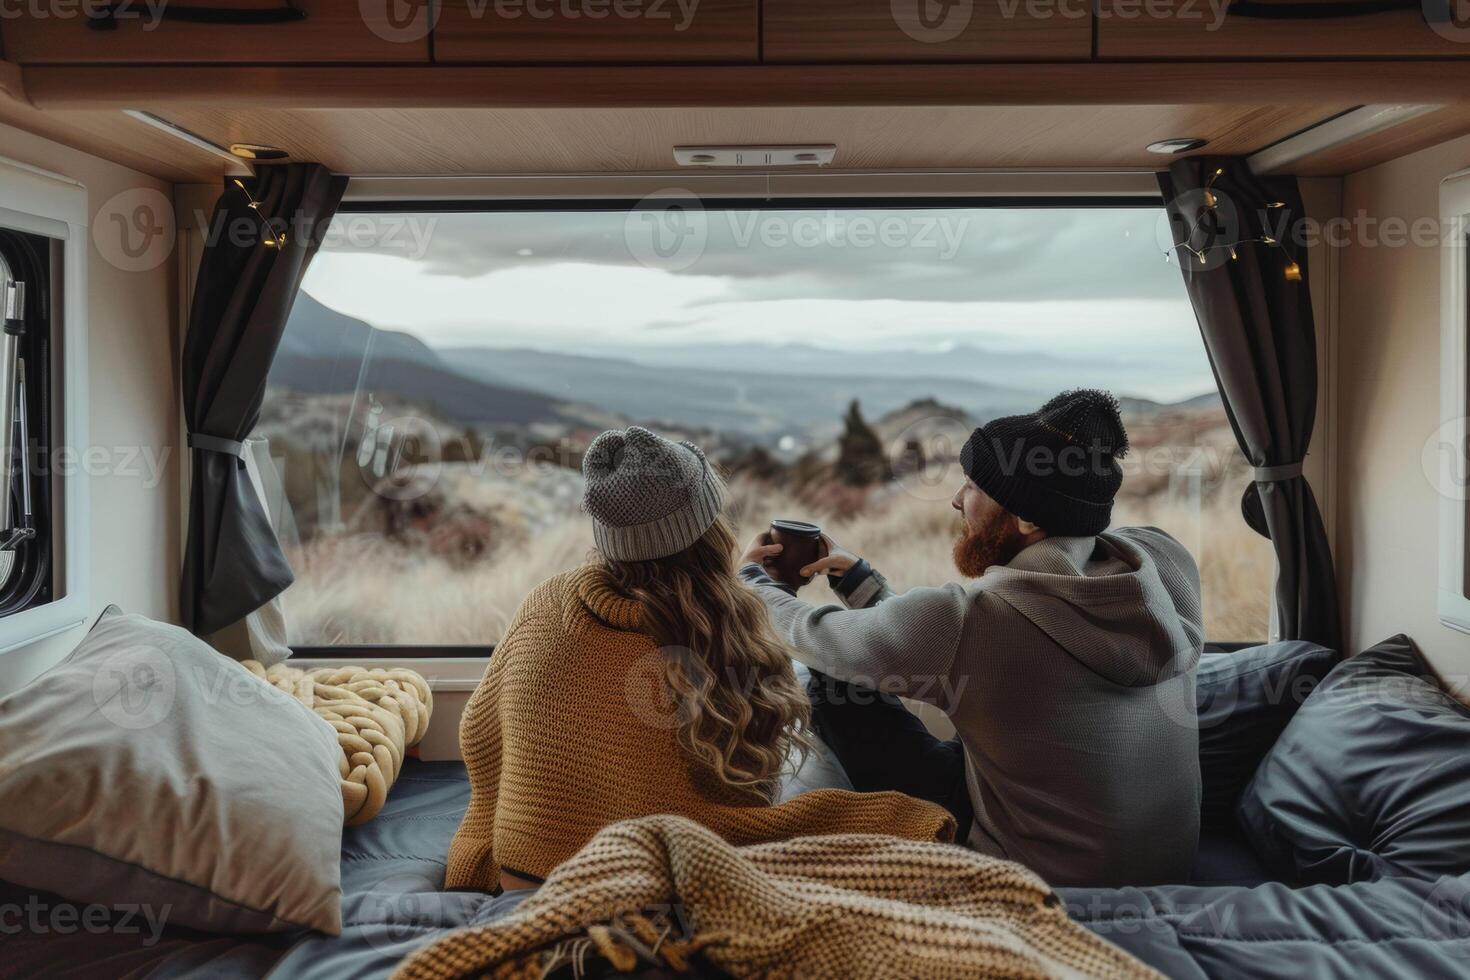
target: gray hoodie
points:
(1069, 676)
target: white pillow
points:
(149, 768)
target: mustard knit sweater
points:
(572, 729)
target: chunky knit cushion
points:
(378, 714)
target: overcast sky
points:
(1088, 283)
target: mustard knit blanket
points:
(664, 890)
(378, 714)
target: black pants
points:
(884, 746)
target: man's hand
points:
(759, 549)
(837, 563)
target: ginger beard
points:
(995, 542)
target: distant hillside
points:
(929, 422)
(767, 405)
(964, 362)
(324, 352)
(1144, 407)
(456, 398)
(1040, 372)
(320, 333)
(787, 396)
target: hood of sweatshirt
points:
(1125, 603)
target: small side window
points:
(45, 458)
(27, 565)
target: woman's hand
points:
(759, 549)
(837, 563)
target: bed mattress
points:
(1226, 924)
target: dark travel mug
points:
(801, 544)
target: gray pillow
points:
(147, 768)
(1370, 779)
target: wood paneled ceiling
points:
(461, 88)
(516, 141)
(354, 138)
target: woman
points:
(649, 681)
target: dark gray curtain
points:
(232, 563)
(1258, 330)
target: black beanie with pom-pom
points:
(1056, 467)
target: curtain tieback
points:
(217, 444)
(1276, 474)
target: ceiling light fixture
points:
(234, 163)
(1182, 144)
(1344, 128)
(258, 151)
(755, 156)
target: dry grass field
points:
(369, 588)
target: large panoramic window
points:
(442, 373)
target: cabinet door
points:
(926, 30)
(332, 31)
(597, 31)
(1174, 29)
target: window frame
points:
(490, 195)
(614, 205)
(54, 206)
(1453, 602)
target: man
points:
(1067, 665)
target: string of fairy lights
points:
(269, 237)
(1292, 271)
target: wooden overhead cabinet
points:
(813, 31)
(535, 32)
(1184, 29)
(252, 32)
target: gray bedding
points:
(392, 872)
(392, 868)
(1392, 928)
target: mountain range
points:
(790, 394)
(324, 352)
(761, 404)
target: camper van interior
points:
(734, 488)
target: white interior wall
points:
(1387, 406)
(135, 524)
(1322, 200)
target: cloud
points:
(946, 255)
(1089, 285)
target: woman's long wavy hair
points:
(739, 709)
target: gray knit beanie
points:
(648, 497)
